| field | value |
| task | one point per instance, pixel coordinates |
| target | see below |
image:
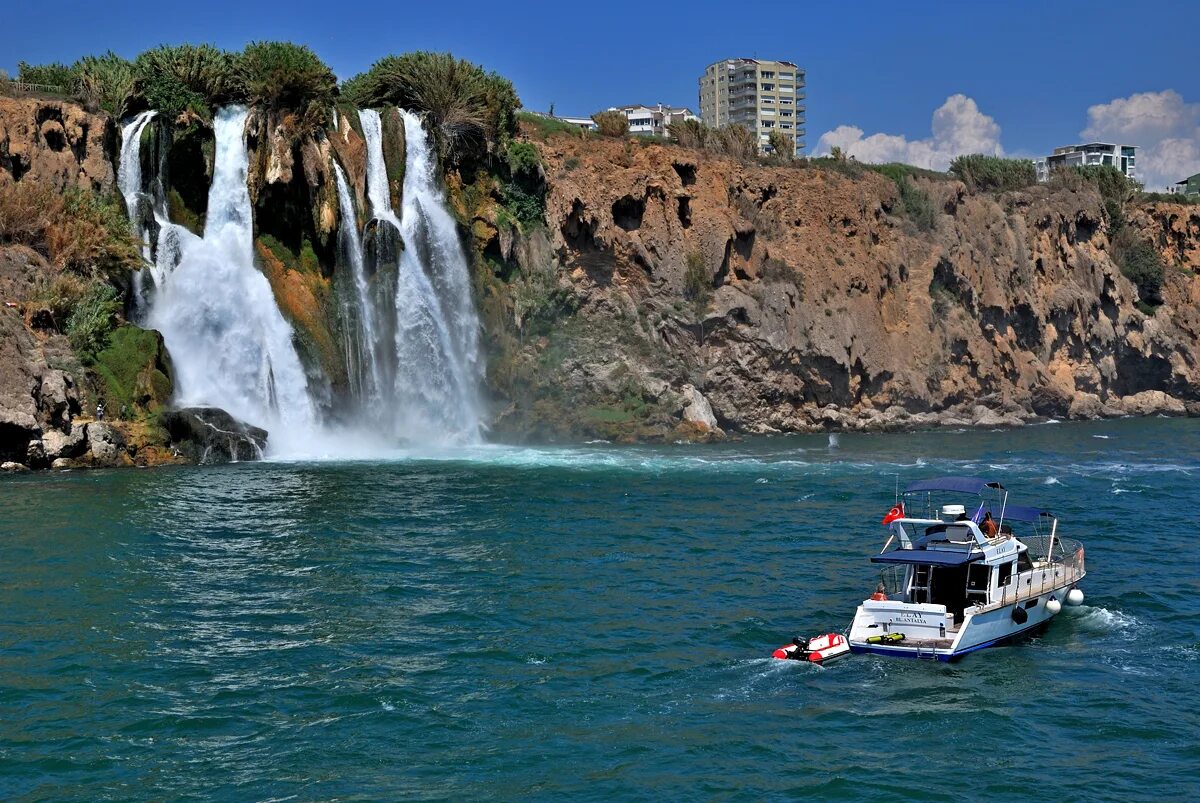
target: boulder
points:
(13, 467)
(106, 444)
(1151, 402)
(56, 444)
(211, 435)
(696, 408)
(1085, 406)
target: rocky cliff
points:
(798, 298)
(635, 290)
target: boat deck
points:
(926, 643)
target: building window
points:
(768, 75)
(768, 123)
(768, 87)
(785, 101)
(768, 100)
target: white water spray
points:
(229, 343)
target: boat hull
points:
(978, 631)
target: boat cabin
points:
(956, 555)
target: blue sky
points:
(1033, 68)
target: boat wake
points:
(1102, 620)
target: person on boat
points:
(880, 593)
(989, 526)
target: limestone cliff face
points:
(56, 143)
(830, 309)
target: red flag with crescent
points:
(895, 513)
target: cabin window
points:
(1004, 575)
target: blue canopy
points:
(929, 557)
(1020, 513)
(966, 485)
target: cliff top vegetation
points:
(471, 112)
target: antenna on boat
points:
(897, 498)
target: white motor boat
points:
(964, 577)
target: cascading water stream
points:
(377, 181)
(362, 358)
(129, 183)
(437, 330)
(230, 345)
(435, 393)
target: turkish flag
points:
(895, 513)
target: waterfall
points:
(377, 181)
(129, 183)
(230, 345)
(362, 359)
(434, 397)
(437, 329)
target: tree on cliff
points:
(612, 123)
(466, 108)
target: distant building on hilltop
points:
(653, 120)
(1189, 186)
(586, 123)
(1122, 157)
(760, 95)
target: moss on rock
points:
(305, 297)
(394, 153)
(134, 371)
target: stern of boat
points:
(890, 627)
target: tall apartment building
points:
(1122, 157)
(763, 96)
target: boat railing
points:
(1064, 568)
(1040, 547)
(892, 578)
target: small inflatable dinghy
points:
(817, 650)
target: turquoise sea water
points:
(592, 621)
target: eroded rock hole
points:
(687, 173)
(627, 212)
(685, 211)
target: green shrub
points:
(93, 320)
(612, 123)
(689, 133)
(76, 230)
(981, 172)
(539, 301)
(914, 203)
(1114, 186)
(1142, 265)
(192, 78)
(523, 159)
(282, 76)
(108, 81)
(782, 145)
(734, 140)
(53, 74)
(527, 205)
(1168, 198)
(464, 106)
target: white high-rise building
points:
(761, 95)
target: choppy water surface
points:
(590, 621)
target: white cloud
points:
(1165, 126)
(958, 127)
